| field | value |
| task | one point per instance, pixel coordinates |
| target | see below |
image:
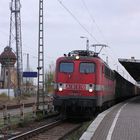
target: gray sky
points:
(116, 23)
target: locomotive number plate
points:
(75, 87)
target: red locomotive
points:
(83, 82)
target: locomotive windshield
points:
(66, 67)
(87, 67)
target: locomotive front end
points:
(75, 84)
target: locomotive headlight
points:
(77, 57)
(90, 90)
(60, 87)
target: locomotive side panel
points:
(108, 85)
(124, 89)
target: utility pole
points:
(40, 91)
(28, 65)
(27, 69)
(15, 39)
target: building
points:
(8, 77)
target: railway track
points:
(52, 131)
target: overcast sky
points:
(115, 23)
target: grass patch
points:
(16, 122)
(3, 97)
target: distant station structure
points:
(8, 77)
(132, 66)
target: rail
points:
(36, 131)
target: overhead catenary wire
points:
(119, 67)
(94, 21)
(76, 19)
(85, 29)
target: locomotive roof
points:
(83, 53)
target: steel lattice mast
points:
(40, 92)
(15, 40)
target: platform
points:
(120, 122)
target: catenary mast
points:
(15, 40)
(40, 92)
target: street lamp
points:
(87, 42)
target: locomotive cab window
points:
(66, 67)
(87, 67)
